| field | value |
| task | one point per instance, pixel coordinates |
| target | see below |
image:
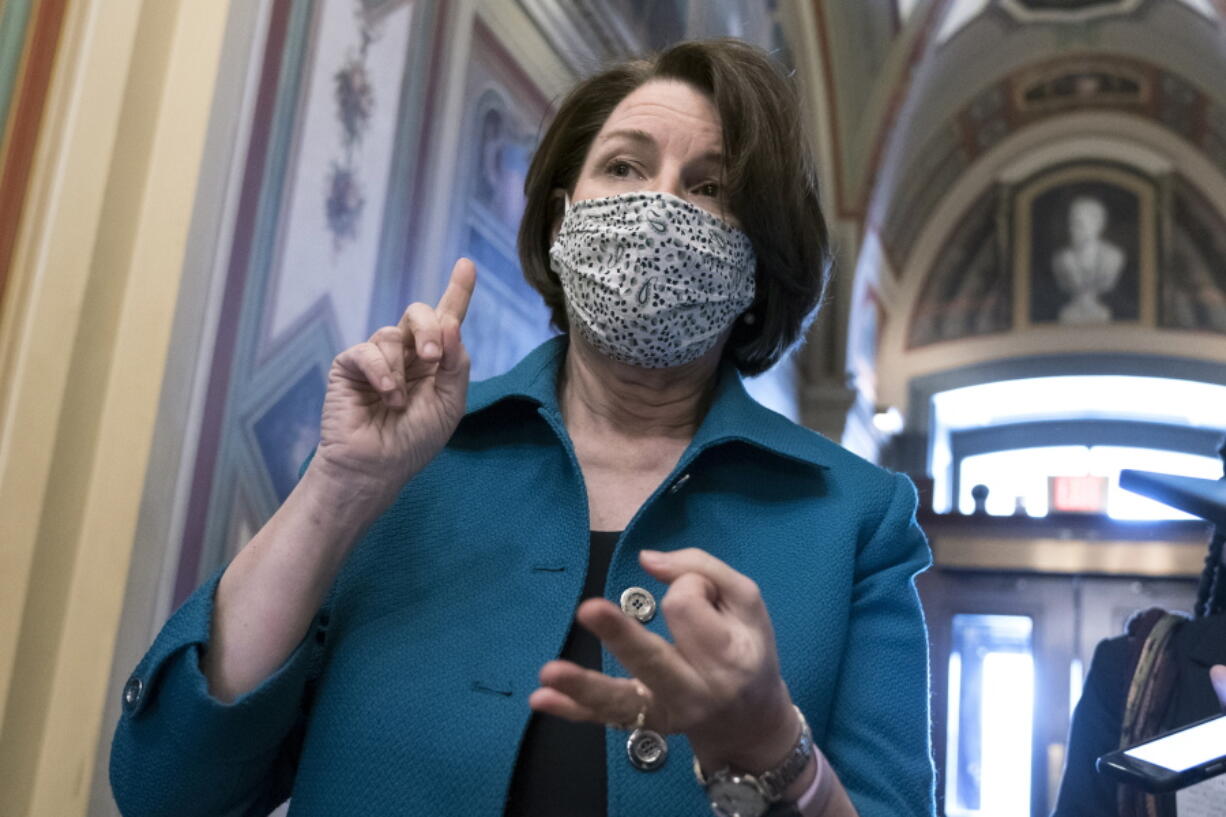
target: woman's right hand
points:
(393, 402)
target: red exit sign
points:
(1085, 494)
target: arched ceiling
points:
(893, 73)
(912, 96)
(1017, 62)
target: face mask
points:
(650, 279)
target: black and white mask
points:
(650, 279)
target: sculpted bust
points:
(1089, 267)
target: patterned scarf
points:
(1151, 655)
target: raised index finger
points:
(459, 290)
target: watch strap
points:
(811, 802)
(777, 780)
(773, 782)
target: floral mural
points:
(355, 105)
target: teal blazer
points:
(408, 695)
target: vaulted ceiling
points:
(910, 97)
(1016, 62)
(898, 72)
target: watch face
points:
(732, 798)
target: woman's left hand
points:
(718, 683)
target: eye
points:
(619, 168)
(708, 189)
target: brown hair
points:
(769, 177)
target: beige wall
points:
(82, 350)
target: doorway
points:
(1009, 653)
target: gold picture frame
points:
(1119, 282)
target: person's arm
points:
(177, 750)
(274, 587)
(718, 682)
(209, 709)
(392, 404)
(878, 737)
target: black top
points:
(561, 765)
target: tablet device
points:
(1171, 761)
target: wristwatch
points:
(746, 795)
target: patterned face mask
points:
(650, 279)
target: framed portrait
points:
(1084, 248)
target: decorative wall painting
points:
(968, 292)
(288, 431)
(339, 172)
(507, 317)
(337, 81)
(1194, 271)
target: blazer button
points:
(132, 692)
(638, 603)
(647, 750)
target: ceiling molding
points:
(1009, 106)
(859, 122)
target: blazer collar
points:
(734, 416)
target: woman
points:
(1167, 671)
(672, 225)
